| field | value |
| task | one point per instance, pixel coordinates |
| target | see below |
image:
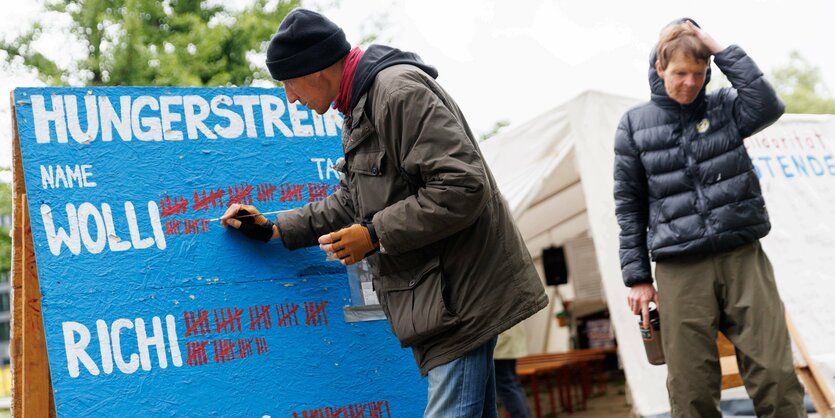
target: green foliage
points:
(5, 238)
(5, 250)
(498, 126)
(151, 42)
(372, 28)
(800, 85)
(5, 198)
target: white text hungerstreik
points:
(58, 118)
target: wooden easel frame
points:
(31, 384)
(808, 373)
(812, 377)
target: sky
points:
(515, 60)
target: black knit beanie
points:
(306, 42)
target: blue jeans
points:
(464, 387)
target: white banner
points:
(795, 160)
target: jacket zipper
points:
(691, 166)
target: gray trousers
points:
(733, 292)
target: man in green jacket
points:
(416, 200)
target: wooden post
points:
(811, 376)
(727, 361)
(31, 384)
(807, 372)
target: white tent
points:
(556, 173)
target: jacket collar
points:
(356, 112)
(377, 58)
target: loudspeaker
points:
(556, 271)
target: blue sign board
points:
(150, 306)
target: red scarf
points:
(343, 99)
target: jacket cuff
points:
(737, 66)
(633, 282)
(383, 236)
(730, 54)
(371, 231)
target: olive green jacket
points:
(453, 271)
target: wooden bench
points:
(536, 370)
(566, 368)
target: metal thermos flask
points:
(652, 337)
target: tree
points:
(150, 42)
(801, 87)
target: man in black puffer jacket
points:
(687, 196)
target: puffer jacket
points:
(684, 183)
(454, 271)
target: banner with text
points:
(795, 161)
(150, 306)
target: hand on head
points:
(711, 44)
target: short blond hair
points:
(679, 39)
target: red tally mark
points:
(202, 200)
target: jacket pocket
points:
(353, 138)
(368, 163)
(368, 182)
(413, 301)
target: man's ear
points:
(658, 69)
